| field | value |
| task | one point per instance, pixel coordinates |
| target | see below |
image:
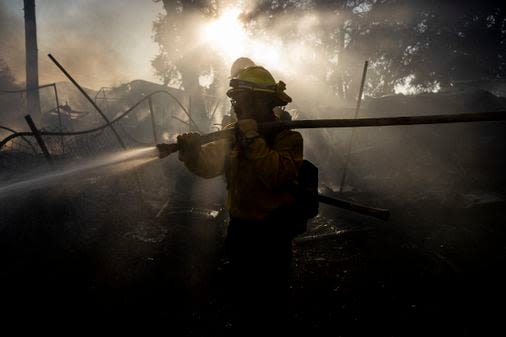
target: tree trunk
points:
(340, 63)
(188, 65)
(190, 79)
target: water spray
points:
(113, 163)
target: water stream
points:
(110, 163)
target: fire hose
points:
(167, 149)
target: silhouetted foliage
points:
(7, 80)
(9, 103)
(426, 45)
(177, 34)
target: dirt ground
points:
(143, 246)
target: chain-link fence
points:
(142, 124)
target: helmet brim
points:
(282, 98)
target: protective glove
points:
(188, 145)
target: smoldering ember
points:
(237, 168)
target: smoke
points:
(102, 43)
(11, 39)
(311, 48)
(301, 47)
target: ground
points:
(143, 245)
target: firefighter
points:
(260, 168)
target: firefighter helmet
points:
(258, 79)
(240, 64)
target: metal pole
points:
(88, 98)
(359, 99)
(182, 121)
(356, 123)
(32, 59)
(59, 117)
(350, 143)
(39, 139)
(167, 149)
(150, 103)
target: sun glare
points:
(228, 36)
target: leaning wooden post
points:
(89, 100)
(59, 117)
(350, 143)
(39, 139)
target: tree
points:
(467, 44)
(10, 104)
(182, 59)
(436, 43)
(426, 44)
(7, 81)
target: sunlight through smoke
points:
(228, 36)
(405, 86)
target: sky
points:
(101, 43)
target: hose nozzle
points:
(165, 150)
